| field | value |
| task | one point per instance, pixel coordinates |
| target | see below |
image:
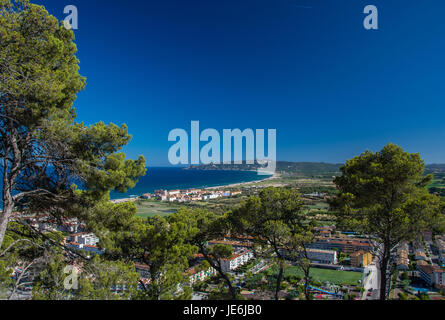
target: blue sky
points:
(307, 68)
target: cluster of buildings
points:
(429, 268)
(327, 246)
(440, 246)
(76, 236)
(359, 249)
(342, 244)
(361, 259)
(46, 223)
(432, 275)
(84, 241)
(242, 253)
(403, 257)
(316, 195)
(195, 274)
(189, 195)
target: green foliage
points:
(98, 279)
(49, 284)
(254, 282)
(403, 296)
(221, 251)
(161, 243)
(277, 221)
(423, 296)
(109, 280)
(384, 194)
(211, 226)
(44, 151)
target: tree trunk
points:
(229, 283)
(383, 271)
(217, 266)
(306, 284)
(8, 207)
(279, 279)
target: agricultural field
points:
(150, 208)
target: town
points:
(343, 263)
(188, 195)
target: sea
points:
(171, 178)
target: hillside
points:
(283, 167)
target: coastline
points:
(241, 184)
(207, 185)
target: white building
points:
(322, 256)
(432, 275)
(200, 275)
(85, 247)
(238, 259)
(85, 238)
(440, 243)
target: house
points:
(402, 264)
(440, 244)
(236, 244)
(402, 260)
(420, 255)
(439, 278)
(196, 275)
(402, 257)
(361, 259)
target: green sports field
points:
(332, 276)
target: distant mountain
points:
(438, 170)
(435, 167)
(296, 168)
(308, 167)
(305, 169)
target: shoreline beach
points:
(232, 185)
(240, 184)
(165, 179)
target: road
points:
(371, 282)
